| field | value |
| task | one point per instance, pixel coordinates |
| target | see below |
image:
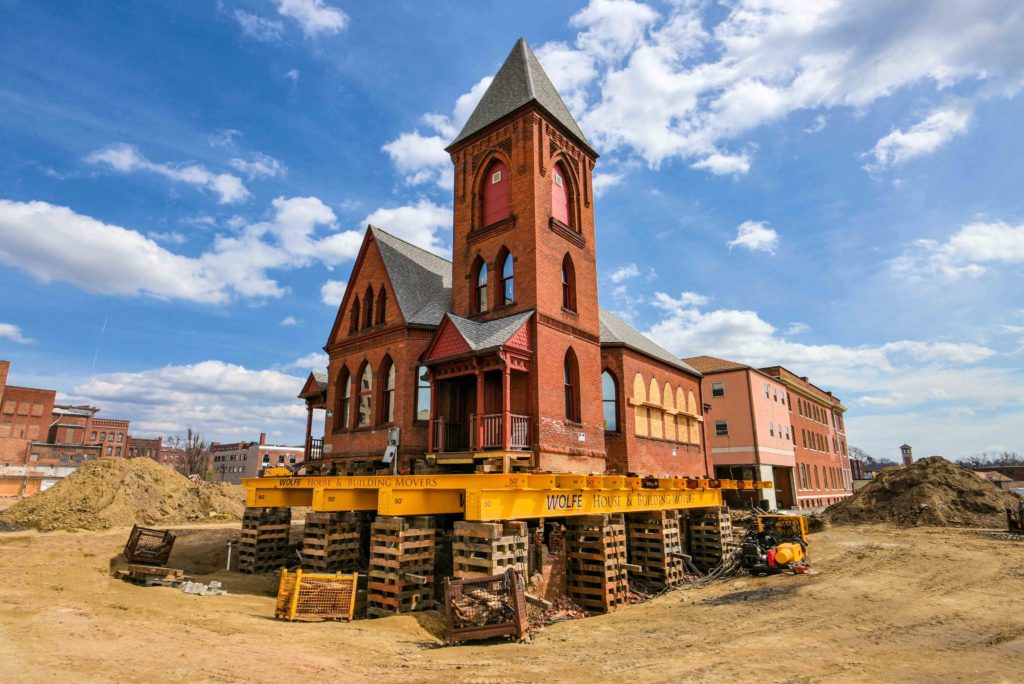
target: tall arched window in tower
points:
(496, 202)
(365, 412)
(343, 411)
(368, 307)
(387, 392)
(568, 284)
(560, 195)
(610, 401)
(382, 305)
(353, 324)
(508, 292)
(571, 371)
(478, 299)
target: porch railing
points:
(315, 450)
(520, 432)
(448, 437)
(490, 427)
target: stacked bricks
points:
(482, 549)
(401, 574)
(653, 540)
(596, 551)
(711, 537)
(331, 541)
(264, 542)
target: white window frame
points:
(714, 389)
(719, 425)
(495, 177)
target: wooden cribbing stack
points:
(483, 549)
(710, 536)
(331, 541)
(263, 546)
(401, 574)
(655, 545)
(595, 547)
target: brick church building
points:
(501, 359)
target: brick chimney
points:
(5, 367)
(263, 439)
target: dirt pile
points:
(931, 491)
(121, 492)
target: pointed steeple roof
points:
(521, 79)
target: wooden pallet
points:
(151, 575)
(711, 537)
(596, 551)
(401, 565)
(263, 545)
(331, 542)
(653, 539)
(484, 549)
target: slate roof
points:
(713, 364)
(615, 331)
(521, 79)
(321, 379)
(422, 281)
(489, 334)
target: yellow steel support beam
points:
(490, 496)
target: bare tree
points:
(989, 459)
(871, 464)
(196, 452)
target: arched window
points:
(568, 284)
(508, 292)
(365, 413)
(560, 202)
(343, 411)
(353, 324)
(572, 386)
(387, 392)
(610, 401)
(639, 409)
(496, 202)
(382, 305)
(368, 306)
(422, 395)
(479, 294)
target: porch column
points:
(309, 429)
(506, 408)
(478, 429)
(431, 429)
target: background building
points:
(231, 462)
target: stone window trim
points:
(567, 232)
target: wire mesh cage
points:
(316, 596)
(486, 607)
(148, 547)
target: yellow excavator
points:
(775, 544)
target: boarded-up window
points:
(497, 204)
(560, 195)
(9, 407)
(670, 419)
(37, 409)
(640, 411)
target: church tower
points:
(524, 241)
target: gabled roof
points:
(713, 364)
(615, 331)
(489, 334)
(422, 281)
(520, 80)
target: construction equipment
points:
(1015, 519)
(776, 544)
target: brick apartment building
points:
(231, 462)
(502, 358)
(769, 423)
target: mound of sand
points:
(931, 491)
(122, 492)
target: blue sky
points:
(830, 186)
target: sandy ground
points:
(883, 604)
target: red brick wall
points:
(116, 436)
(629, 452)
(26, 412)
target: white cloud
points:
(289, 321)
(55, 243)
(624, 273)
(315, 361)
(604, 181)
(424, 224)
(264, 30)
(970, 252)
(11, 332)
(755, 236)
(315, 17)
(724, 164)
(126, 159)
(260, 166)
(421, 158)
(224, 401)
(293, 75)
(797, 328)
(332, 292)
(818, 125)
(935, 130)
(171, 238)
